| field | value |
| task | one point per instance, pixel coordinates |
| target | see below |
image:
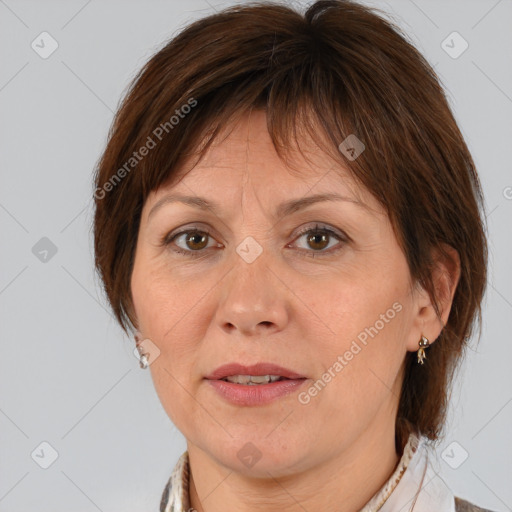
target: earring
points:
(144, 357)
(423, 344)
(143, 362)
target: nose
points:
(253, 299)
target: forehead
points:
(243, 154)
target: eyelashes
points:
(201, 236)
(315, 232)
(195, 232)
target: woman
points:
(290, 222)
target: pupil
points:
(202, 238)
(312, 238)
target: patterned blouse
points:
(406, 486)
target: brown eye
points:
(318, 241)
(197, 240)
(318, 238)
(190, 242)
(193, 242)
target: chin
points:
(260, 457)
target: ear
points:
(445, 277)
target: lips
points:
(242, 394)
(230, 369)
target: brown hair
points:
(338, 69)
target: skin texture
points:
(298, 311)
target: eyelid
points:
(169, 238)
(326, 228)
(320, 226)
(187, 228)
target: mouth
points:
(253, 375)
(255, 385)
(253, 380)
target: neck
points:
(344, 482)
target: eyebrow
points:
(284, 209)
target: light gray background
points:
(67, 373)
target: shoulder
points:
(466, 506)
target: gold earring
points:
(423, 344)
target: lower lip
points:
(259, 394)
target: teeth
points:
(252, 380)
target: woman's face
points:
(332, 305)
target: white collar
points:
(414, 486)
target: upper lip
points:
(230, 369)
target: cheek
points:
(367, 320)
(158, 298)
(171, 313)
(167, 310)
